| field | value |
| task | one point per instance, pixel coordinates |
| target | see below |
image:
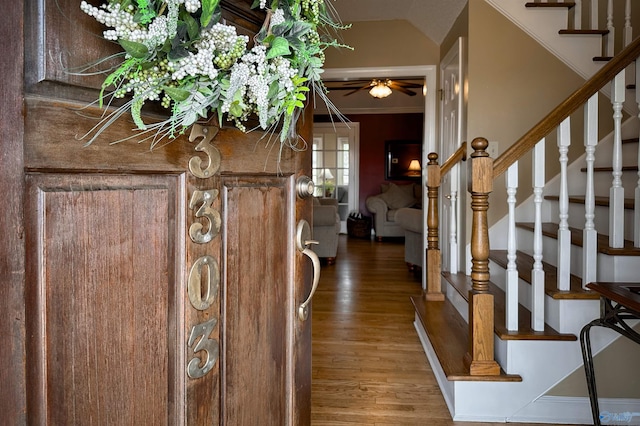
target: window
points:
(335, 166)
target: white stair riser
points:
(601, 221)
(610, 268)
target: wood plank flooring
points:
(368, 364)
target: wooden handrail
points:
(456, 157)
(566, 108)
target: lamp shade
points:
(414, 168)
(414, 165)
(327, 174)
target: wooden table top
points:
(626, 294)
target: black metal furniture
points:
(619, 302)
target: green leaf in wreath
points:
(282, 29)
(279, 47)
(178, 53)
(295, 43)
(133, 48)
(235, 109)
(193, 28)
(208, 9)
(176, 93)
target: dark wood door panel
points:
(104, 300)
(258, 303)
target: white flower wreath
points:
(179, 53)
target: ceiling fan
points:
(378, 87)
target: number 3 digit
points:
(203, 201)
(209, 346)
(213, 155)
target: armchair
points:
(326, 228)
(384, 206)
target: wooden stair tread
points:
(629, 203)
(584, 32)
(524, 264)
(462, 284)
(551, 230)
(602, 58)
(566, 5)
(449, 335)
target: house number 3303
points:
(203, 286)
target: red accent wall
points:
(375, 130)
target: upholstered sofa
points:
(412, 222)
(384, 206)
(326, 228)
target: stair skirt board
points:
(522, 402)
(446, 387)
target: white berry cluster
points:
(219, 46)
(277, 18)
(192, 6)
(157, 33)
(112, 16)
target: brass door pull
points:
(303, 241)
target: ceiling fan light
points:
(380, 90)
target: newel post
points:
(480, 358)
(434, 288)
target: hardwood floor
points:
(368, 364)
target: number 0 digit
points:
(195, 292)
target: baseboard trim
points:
(572, 410)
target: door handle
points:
(305, 187)
(303, 241)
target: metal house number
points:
(202, 288)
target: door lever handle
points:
(303, 242)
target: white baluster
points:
(612, 31)
(564, 234)
(616, 193)
(589, 234)
(628, 29)
(577, 15)
(628, 38)
(636, 207)
(453, 221)
(537, 274)
(512, 271)
(593, 14)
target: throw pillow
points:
(398, 197)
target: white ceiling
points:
(433, 17)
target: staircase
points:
(499, 338)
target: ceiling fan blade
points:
(395, 86)
(405, 84)
(357, 90)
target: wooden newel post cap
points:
(433, 171)
(480, 168)
(479, 146)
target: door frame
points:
(455, 56)
(429, 138)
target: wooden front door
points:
(156, 286)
